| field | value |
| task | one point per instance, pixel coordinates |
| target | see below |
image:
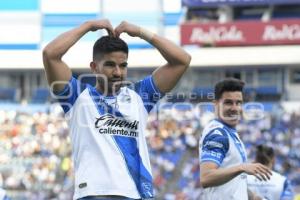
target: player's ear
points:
(273, 161)
(216, 106)
(93, 66)
(215, 102)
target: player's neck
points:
(270, 166)
(228, 125)
(105, 92)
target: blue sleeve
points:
(287, 192)
(69, 94)
(215, 146)
(148, 91)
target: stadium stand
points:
(36, 150)
(40, 95)
(8, 94)
(35, 160)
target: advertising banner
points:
(242, 33)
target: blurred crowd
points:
(35, 158)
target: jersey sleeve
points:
(148, 92)
(3, 195)
(69, 94)
(6, 198)
(214, 147)
(287, 192)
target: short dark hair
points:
(108, 44)
(264, 154)
(228, 85)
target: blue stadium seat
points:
(183, 107)
(249, 17)
(285, 14)
(268, 90)
(8, 94)
(269, 106)
(182, 183)
(249, 90)
(202, 91)
(40, 95)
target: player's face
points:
(114, 67)
(229, 107)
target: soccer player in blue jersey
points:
(278, 187)
(223, 162)
(107, 121)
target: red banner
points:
(242, 33)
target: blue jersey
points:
(221, 145)
(109, 148)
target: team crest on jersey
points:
(243, 176)
(110, 124)
(147, 186)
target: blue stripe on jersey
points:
(237, 142)
(130, 151)
(69, 94)
(287, 192)
(138, 171)
(215, 146)
(148, 91)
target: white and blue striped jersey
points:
(221, 144)
(109, 148)
(277, 188)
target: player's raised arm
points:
(56, 69)
(178, 59)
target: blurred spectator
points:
(35, 159)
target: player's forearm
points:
(171, 52)
(59, 46)
(219, 176)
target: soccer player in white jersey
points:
(3, 195)
(223, 162)
(107, 121)
(278, 187)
